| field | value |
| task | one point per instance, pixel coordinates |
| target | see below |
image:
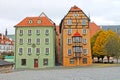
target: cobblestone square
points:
(89, 73)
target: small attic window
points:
(30, 21)
(38, 21)
(75, 14)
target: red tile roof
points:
(4, 40)
(93, 28)
(44, 21)
(75, 8)
(77, 34)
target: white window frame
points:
(77, 49)
(29, 42)
(38, 21)
(29, 52)
(47, 52)
(21, 32)
(47, 33)
(69, 22)
(69, 42)
(38, 32)
(84, 22)
(71, 61)
(38, 43)
(84, 31)
(30, 21)
(70, 51)
(19, 52)
(29, 32)
(84, 40)
(39, 50)
(20, 41)
(77, 39)
(85, 51)
(69, 30)
(75, 14)
(48, 41)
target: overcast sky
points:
(102, 12)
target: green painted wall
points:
(42, 46)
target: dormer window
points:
(30, 21)
(75, 15)
(38, 21)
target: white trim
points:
(36, 51)
(28, 52)
(45, 51)
(84, 32)
(22, 51)
(68, 41)
(84, 40)
(86, 51)
(68, 51)
(48, 41)
(39, 32)
(36, 41)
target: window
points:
(84, 31)
(38, 41)
(45, 62)
(71, 61)
(69, 41)
(46, 32)
(77, 49)
(29, 50)
(29, 32)
(85, 51)
(84, 41)
(46, 41)
(84, 60)
(83, 21)
(29, 41)
(69, 22)
(37, 50)
(76, 39)
(38, 21)
(30, 21)
(37, 32)
(75, 14)
(69, 31)
(21, 41)
(69, 51)
(21, 32)
(20, 50)
(46, 51)
(23, 62)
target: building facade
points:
(35, 46)
(115, 28)
(6, 45)
(57, 45)
(75, 38)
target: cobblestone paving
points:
(107, 73)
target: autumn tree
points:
(93, 39)
(112, 45)
(99, 48)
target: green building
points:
(35, 43)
